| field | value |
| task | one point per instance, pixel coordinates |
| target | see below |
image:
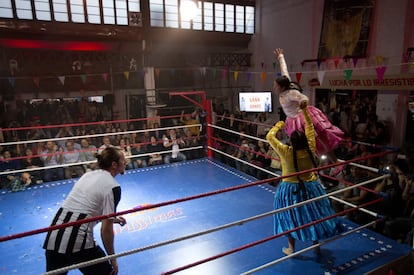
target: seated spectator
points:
(392, 204)
(259, 159)
(71, 156)
(173, 142)
(126, 148)
(52, 156)
(87, 153)
(356, 195)
(63, 132)
(20, 183)
(138, 161)
(189, 142)
(154, 148)
(244, 152)
(7, 163)
(106, 143)
(30, 162)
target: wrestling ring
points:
(200, 216)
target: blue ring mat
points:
(34, 208)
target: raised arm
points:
(282, 62)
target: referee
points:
(96, 193)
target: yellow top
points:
(285, 152)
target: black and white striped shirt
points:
(95, 193)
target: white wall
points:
(295, 26)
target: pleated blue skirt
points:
(288, 194)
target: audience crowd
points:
(365, 135)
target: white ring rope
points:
(95, 135)
(89, 149)
(308, 248)
(245, 162)
(200, 233)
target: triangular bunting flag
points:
(321, 76)
(347, 74)
(236, 75)
(36, 81)
(62, 79)
(379, 59)
(203, 71)
(105, 77)
(263, 76)
(355, 61)
(83, 77)
(12, 81)
(224, 74)
(298, 77)
(381, 72)
(126, 74)
(248, 76)
(262, 64)
(336, 62)
(319, 63)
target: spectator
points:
(243, 153)
(154, 148)
(173, 143)
(357, 195)
(106, 143)
(138, 161)
(30, 162)
(259, 159)
(52, 156)
(71, 156)
(126, 149)
(7, 163)
(87, 153)
(20, 183)
(191, 124)
(189, 142)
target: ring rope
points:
(84, 123)
(245, 162)
(200, 233)
(88, 162)
(263, 240)
(94, 135)
(311, 247)
(42, 230)
(237, 133)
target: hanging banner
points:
(372, 82)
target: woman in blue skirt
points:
(299, 156)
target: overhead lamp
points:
(188, 9)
